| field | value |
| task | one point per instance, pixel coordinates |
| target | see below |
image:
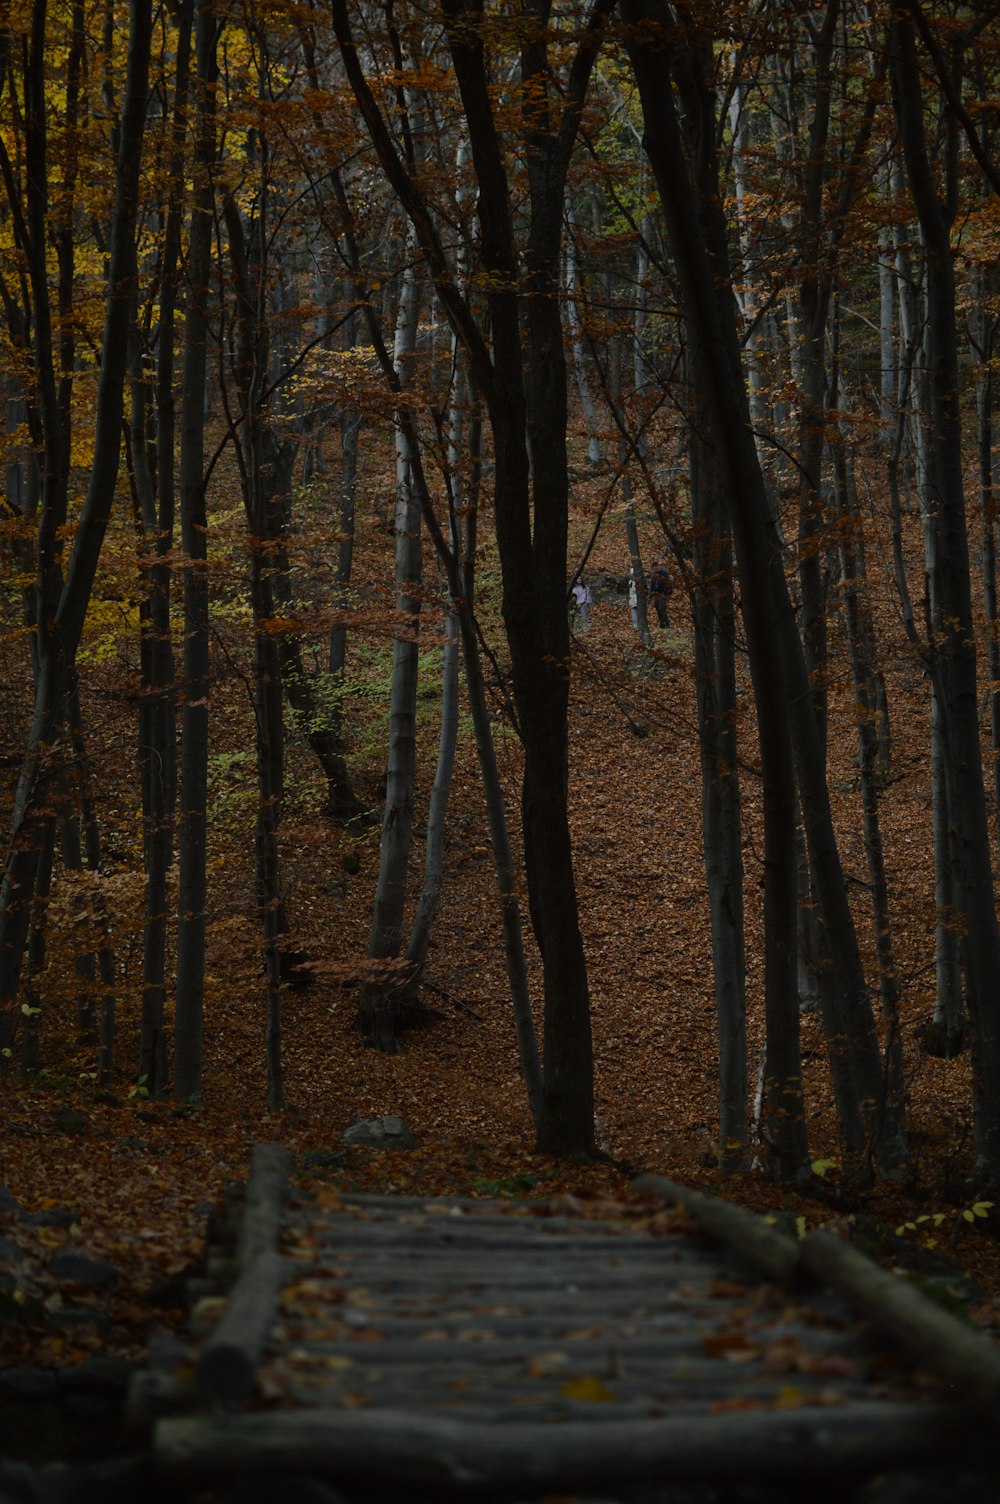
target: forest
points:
(499, 584)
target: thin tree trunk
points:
(376, 1014)
(983, 328)
(461, 582)
(718, 379)
(31, 1011)
(577, 343)
(57, 653)
(85, 963)
(785, 710)
(953, 653)
(194, 722)
(865, 678)
(427, 904)
(713, 612)
(523, 380)
(158, 723)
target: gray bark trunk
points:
(577, 344)
(699, 256)
(953, 652)
(194, 726)
(713, 612)
(64, 614)
(376, 1008)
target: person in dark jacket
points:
(659, 593)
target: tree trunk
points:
(158, 716)
(577, 342)
(63, 618)
(524, 387)
(865, 677)
(953, 652)
(699, 261)
(194, 722)
(377, 1008)
(713, 613)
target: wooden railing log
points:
(270, 1167)
(903, 1312)
(227, 1367)
(455, 1457)
(776, 1256)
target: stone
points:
(9, 1205)
(29, 1383)
(98, 1374)
(52, 1216)
(72, 1318)
(78, 1269)
(380, 1133)
(19, 1483)
(11, 1252)
(67, 1120)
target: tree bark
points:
(713, 613)
(377, 1012)
(194, 721)
(62, 618)
(953, 650)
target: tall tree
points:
(192, 895)
(522, 376)
(952, 647)
(688, 184)
(61, 618)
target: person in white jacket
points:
(633, 601)
(582, 599)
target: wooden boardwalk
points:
(483, 1348)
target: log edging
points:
(940, 1341)
(227, 1366)
(464, 1456)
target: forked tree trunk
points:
(522, 376)
(785, 712)
(953, 652)
(718, 379)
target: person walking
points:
(633, 600)
(660, 584)
(582, 600)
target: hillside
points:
(139, 1176)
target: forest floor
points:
(138, 1176)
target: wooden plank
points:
(542, 1326)
(414, 1450)
(463, 1212)
(399, 1278)
(428, 1236)
(672, 1348)
(564, 1304)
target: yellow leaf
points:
(789, 1398)
(586, 1387)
